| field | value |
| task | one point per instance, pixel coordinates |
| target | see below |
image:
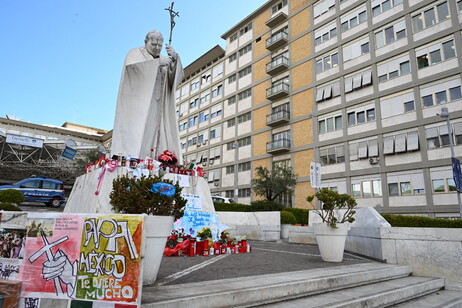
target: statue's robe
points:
(145, 122)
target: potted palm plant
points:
(158, 198)
(336, 212)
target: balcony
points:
(277, 65)
(277, 40)
(277, 91)
(277, 118)
(278, 146)
(276, 19)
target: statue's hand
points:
(171, 52)
(165, 61)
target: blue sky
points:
(61, 60)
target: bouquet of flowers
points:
(175, 237)
(224, 237)
(204, 233)
(172, 240)
(167, 158)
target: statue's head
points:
(153, 42)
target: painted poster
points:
(110, 259)
(88, 257)
(193, 221)
(51, 255)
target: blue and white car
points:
(50, 192)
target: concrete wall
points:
(262, 226)
(434, 252)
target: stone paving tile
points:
(265, 258)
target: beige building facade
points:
(352, 84)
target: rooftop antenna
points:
(173, 14)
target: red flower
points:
(167, 158)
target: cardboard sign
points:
(194, 202)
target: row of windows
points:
(240, 167)
(279, 6)
(373, 188)
(398, 104)
(436, 137)
(245, 50)
(238, 143)
(431, 17)
(246, 71)
(243, 31)
(380, 6)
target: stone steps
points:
(380, 294)
(440, 299)
(291, 287)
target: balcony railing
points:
(276, 19)
(277, 40)
(277, 91)
(278, 146)
(277, 118)
(277, 65)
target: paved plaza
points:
(265, 258)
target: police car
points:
(50, 192)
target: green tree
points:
(273, 183)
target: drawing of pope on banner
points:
(88, 257)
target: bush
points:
(8, 206)
(421, 222)
(11, 196)
(134, 196)
(301, 215)
(264, 206)
(231, 207)
(288, 218)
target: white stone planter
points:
(331, 242)
(285, 231)
(157, 229)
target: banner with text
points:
(88, 257)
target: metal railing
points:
(279, 144)
(278, 116)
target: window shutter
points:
(400, 141)
(373, 148)
(348, 84)
(367, 77)
(328, 91)
(353, 151)
(362, 149)
(412, 141)
(432, 132)
(388, 145)
(319, 94)
(336, 89)
(357, 81)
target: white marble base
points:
(263, 226)
(83, 199)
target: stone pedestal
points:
(84, 200)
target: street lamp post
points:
(445, 115)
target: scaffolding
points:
(18, 162)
